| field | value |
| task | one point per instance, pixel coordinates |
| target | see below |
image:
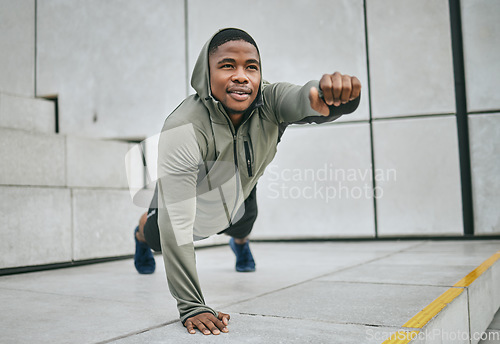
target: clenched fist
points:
(337, 89)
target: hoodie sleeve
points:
(290, 103)
(178, 161)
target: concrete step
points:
(47, 225)
(64, 198)
(32, 158)
(36, 226)
(96, 163)
(31, 114)
(103, 223)
(41, 159)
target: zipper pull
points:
(249, 168)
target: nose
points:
(240, 76)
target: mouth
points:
(239, 93)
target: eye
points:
(254, 67)
(226, 66)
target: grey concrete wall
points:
(411, 75)
(481, 39)
(411, 66)
(484, 147)
(319, 185)
(425, 197)
(481, 34)
(118, 68)
(63, 198)
(17, 39)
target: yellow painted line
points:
(436, 306)
(474, 274)
(401, 337)
(429, 312)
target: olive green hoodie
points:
(207, 169)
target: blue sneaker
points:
(143, 258)
(244, 258)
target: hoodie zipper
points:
(247, 154)
(235, 155)
(248, 158)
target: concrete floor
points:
(324, 292)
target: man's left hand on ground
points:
(337, 89)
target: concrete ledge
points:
(103, 223)
(461, 314)
(483, 294)
(452, 319)
(36, 226)
(29, 114)
(32, 158)
(96, 163)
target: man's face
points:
(235, 75)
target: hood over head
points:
(200, 79)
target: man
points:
(212, 150)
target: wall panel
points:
(411, 68)
(319, 185)
(485, 169)
(17, 39)
(425, 198)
